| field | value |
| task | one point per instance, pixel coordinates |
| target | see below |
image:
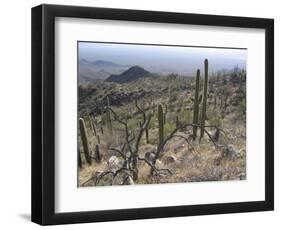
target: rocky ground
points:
(188, 162)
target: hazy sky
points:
(178, 59)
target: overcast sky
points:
(179, 59)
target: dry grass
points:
(201, 162)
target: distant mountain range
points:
(91, 71)
(98, 70)
(101, 63)
(132, 74)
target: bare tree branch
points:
(154, 167)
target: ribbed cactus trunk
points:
(93, 126)
(147, 135)
(108, 118)
(196, 104)
(84, 138)
(98, 155)
(165, 113)
(160, 124)
(205, 97)
(79, 158)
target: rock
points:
(242, 176)
(149, 156)
(112, 162)
(230, 152)
(177, 146)
(170, 159)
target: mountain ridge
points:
(131, 74)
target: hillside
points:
(132, 74)
(106, 107)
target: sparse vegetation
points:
(144, 130)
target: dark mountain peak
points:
(136, 70)
(131, 74)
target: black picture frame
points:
(43, 114)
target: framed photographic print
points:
(142, 114)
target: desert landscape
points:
(137, 125)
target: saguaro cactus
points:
(84, 138)
(79, 158)
(147, 135)
(160, 123)
(93, 125)
(205, 97)
(196, 104)
(200, 99)
(98, 155)
(108, 118)
(165, 113)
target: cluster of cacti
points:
(86, 143)
(160, 123)
(205, 97)
(84, 138)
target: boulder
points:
(230, 152)
(170, 159)
(113, 163)
(149, 156)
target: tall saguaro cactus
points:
(196, 104)
(108, 118)
(84, 138)
(98, 155)
(161, 123)
(205, 97)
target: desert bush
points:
(241, 110)
(214, 117)
(169, 127)
(185, 116)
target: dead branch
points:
(154, 167)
